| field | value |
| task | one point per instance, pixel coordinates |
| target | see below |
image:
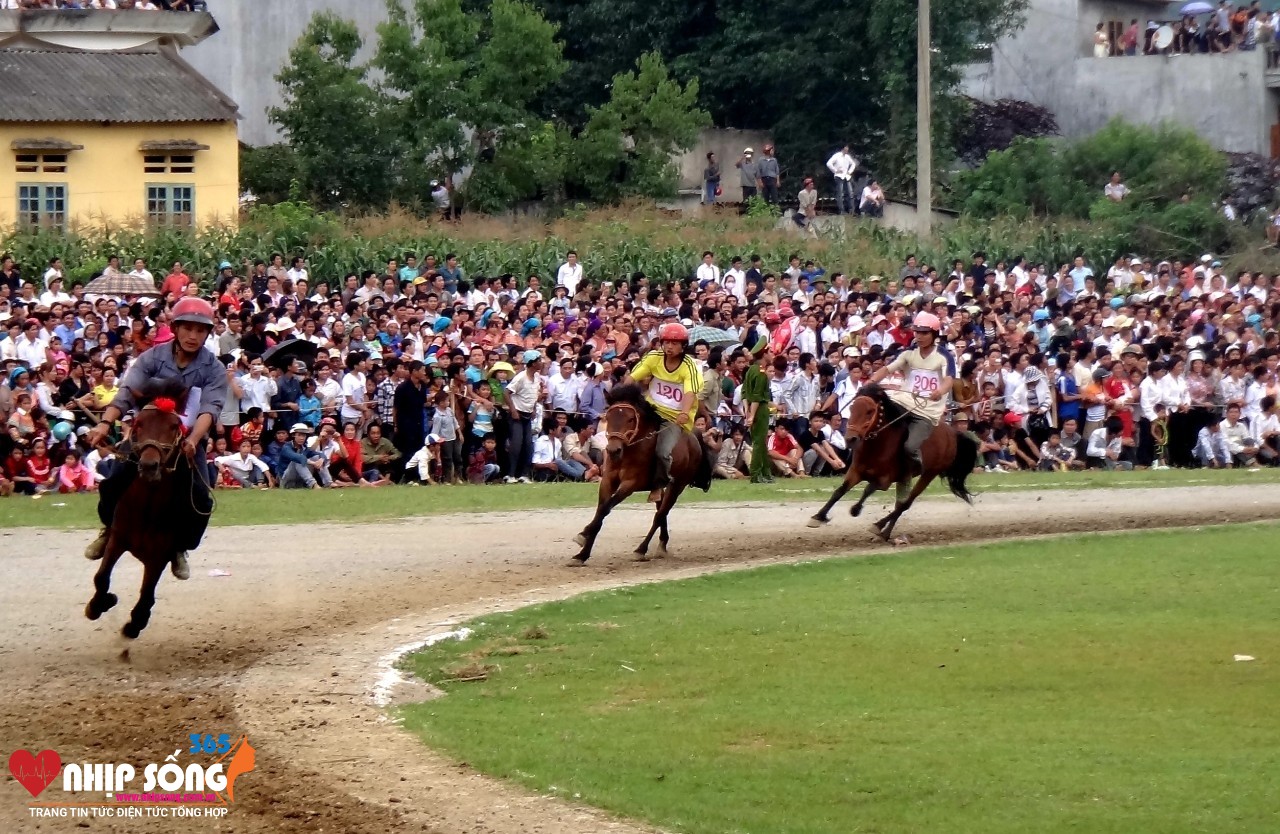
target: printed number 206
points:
(925, 384)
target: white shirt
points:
(257, 392)
(546, 449)
(296, 275)
(708, 273)
(1149, 394)
(570, 276)
(30, 351)
(1117, 191)
(872, 196)
(48, 298)
(241, 465)
(563, 393)
(842, 165)
(144, 274)
(352, 395)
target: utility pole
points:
(924, 126)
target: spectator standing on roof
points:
(842, 167)
(770, 175)
(748, 173)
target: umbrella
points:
(1198, 7)
(120, 284)
(713, 336)
(290, 350)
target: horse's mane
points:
(171, 387)
(631, 394)
(892, 410)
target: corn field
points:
(611, 243)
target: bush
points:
(1174, 178)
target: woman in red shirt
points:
(40, 468)
(348, 463)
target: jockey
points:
(927, 384)
(673, 384)
(189, 361)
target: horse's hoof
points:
(100, 605)
(131, 631)
(641, 557)
(661, 553)
(575, 562)
(817, 522)
(580, 540)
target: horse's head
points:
(157, 430)
(864, 415)
(626, 418)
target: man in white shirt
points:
(570, 273)
(55, 295)
(54, 271)
(738, 287)
(872, 203)
(708, 272)
(1239, 439)
(842, 165)
(354, 408)
(258, 388)
(1115, 190)
(30, 347)
(563, 389)
(140, 271)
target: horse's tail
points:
(962, 466)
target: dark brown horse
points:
(877, 432)
(144, 520)
(632, 427)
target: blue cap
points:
(530, 356)
(529, 326)
(441, 325)
(1040, 315)
(474, 374)
(15, 373)
(609, 354)
(430, 359)
(670, 312)
(1254, 318)
(224, 265)
(1117, 303)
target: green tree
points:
(628, 145)
(463, 83)
(337, 123)
(270, 172)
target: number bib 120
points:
(666, 394)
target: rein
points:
(629, 437)
(876, 425)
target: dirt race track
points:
(287, 648)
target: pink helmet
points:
(926, 321)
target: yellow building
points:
(120, 137)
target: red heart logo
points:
(35, 772)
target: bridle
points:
(629, 437)
(877, 423)
(168, 451)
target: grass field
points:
(240, 507)
(1082, 684)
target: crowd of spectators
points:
(418, 372)
(109, 5)
(1226, 28)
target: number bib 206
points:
(924, 383)
(666, 394)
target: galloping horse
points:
(147, 517)
(632, 428)
(877, 431)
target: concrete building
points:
(254, 46)
(104, 123)
(1229, 99)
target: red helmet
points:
(673, 332)
(195, 310)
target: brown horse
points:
(632, 427)
(144, 519)
(877, 431)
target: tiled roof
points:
(38, 86)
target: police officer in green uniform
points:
(756, 396)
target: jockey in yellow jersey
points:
(671, 381)
(926, 384)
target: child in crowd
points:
(422, 461)
(309, 404)
(481, 413)
(74, 476)
(40, 469)
(445, 427)
(1054, 455)
(483, 468)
